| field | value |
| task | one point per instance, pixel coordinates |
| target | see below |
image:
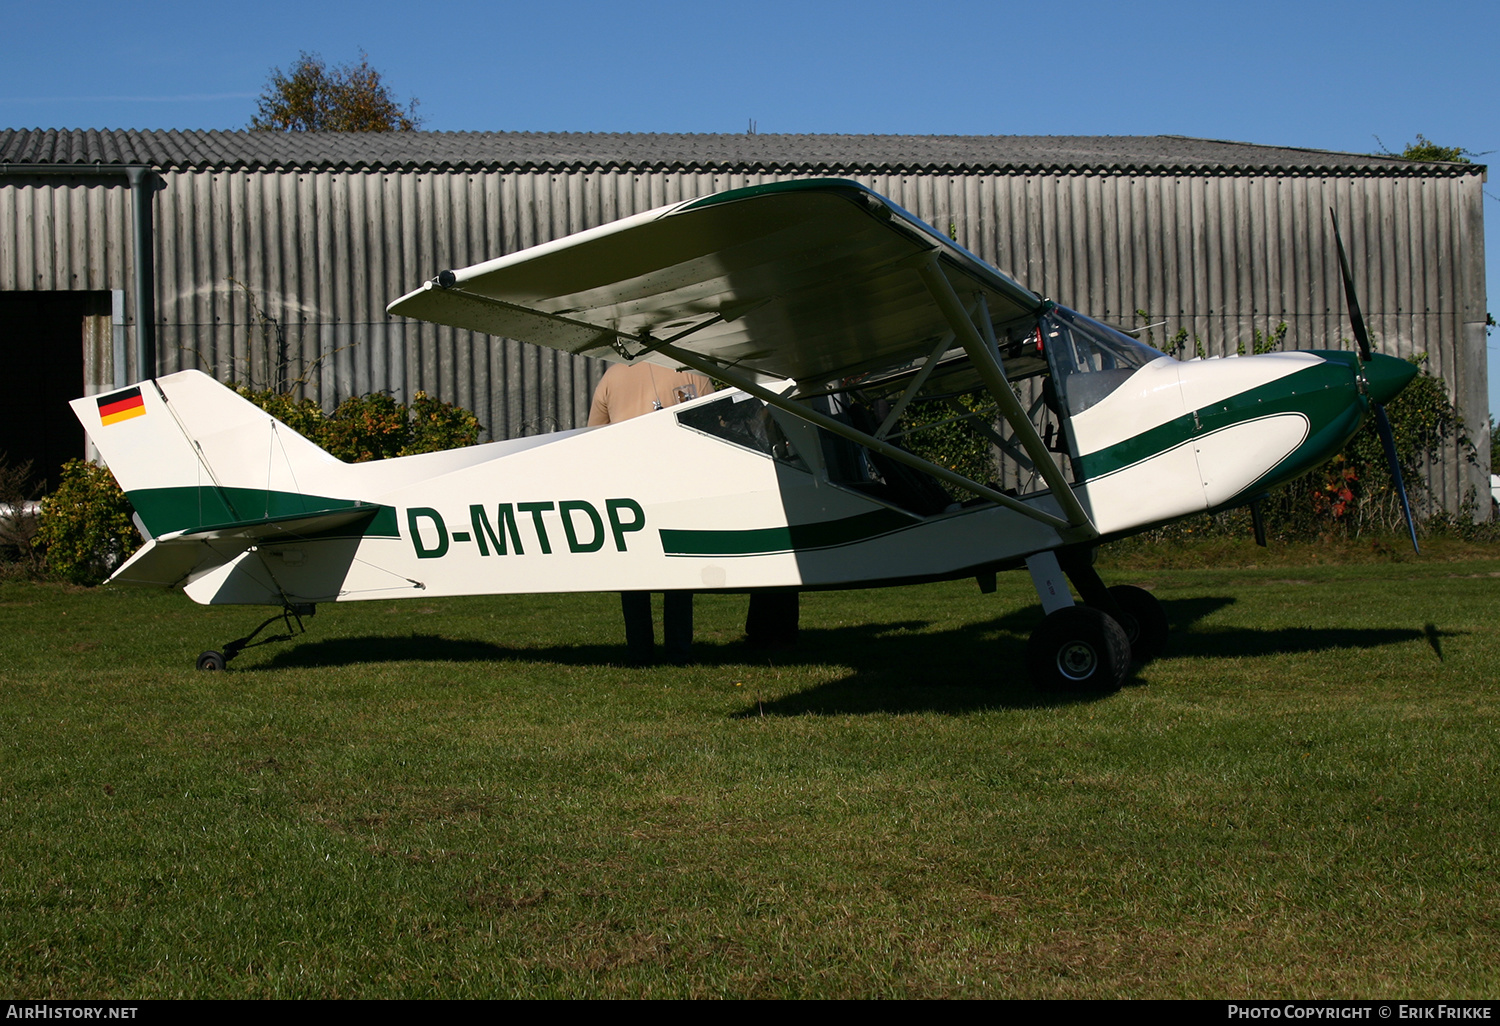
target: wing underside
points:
(815, 280)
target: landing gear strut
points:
(1089, 648)
(216, 660)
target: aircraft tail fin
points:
(195, 458)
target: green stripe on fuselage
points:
(794, 537)
(1322, 393)
(164, 510)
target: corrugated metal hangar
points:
(266, 257)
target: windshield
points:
(1089, 360)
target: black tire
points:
(212, 661)
(1078, 650)
(1145, 621)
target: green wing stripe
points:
(794, 538)
(854, 189)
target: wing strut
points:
(899, 407)
(986, 361)
(651, 345)
(712, 368)
(983, 426)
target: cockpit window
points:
(743, 420)
(1089, 360)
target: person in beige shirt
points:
(631, 390)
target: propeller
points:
(1382, 422)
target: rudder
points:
(191, 454)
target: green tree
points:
(1425, 149)
(317, 98)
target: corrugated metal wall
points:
(248, 261)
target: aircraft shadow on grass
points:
(897, 666)
(981, 666)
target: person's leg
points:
(773, 619)
(640, 635)
(677, 623)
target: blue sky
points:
(1328, 75)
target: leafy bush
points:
(956, 446)
(374, 426)
(1424, 421)
(367, 427)
(438, 426)
(85, 526)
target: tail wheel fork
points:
(214, 660)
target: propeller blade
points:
(1361, 337)
(1388, 439)
(1382, 422)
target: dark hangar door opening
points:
(42, 339)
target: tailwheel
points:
(1078, 650)
(216, 661)
(1144, 621)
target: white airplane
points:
(827, 310)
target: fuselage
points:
(710, 495)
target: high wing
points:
(815, 280)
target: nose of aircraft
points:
(1386, 376)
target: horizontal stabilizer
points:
(168, 564)
(296, 526)
(178, 558)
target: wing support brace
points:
(1008, 445)
(712, 368)
(986, 361)
(916, 386)
(651, 345)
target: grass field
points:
(475, 798)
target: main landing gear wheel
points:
(1078, 650)
(212, 661)
(1145, 622)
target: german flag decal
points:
(120, 406)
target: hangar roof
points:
(573, 151)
